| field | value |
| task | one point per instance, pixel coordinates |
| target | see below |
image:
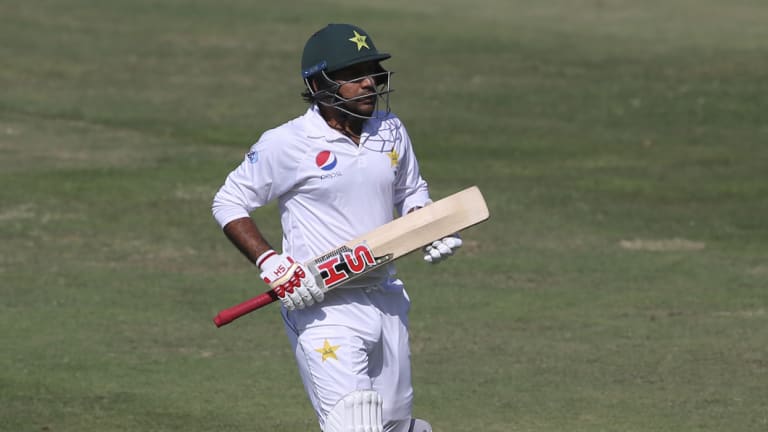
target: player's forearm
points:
(244, 234)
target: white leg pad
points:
(359, 411)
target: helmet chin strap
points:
(332, 92)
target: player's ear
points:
(319, 84)
(313, 84)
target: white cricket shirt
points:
(329, 189)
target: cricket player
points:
(336, 172)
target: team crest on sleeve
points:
(253, 156)
(326, 160)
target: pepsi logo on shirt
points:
(326, 160)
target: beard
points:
(362, 106)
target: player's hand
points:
(293, 284)
(441, 249)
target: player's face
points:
(357, 82)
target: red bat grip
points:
(228, 315)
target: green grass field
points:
(621, 284)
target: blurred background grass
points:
(620, 285)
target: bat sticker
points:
(345, 264)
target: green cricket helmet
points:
(333, 48)
(337, 46)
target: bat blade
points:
(382, 245)
(425, 225)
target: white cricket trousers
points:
(357, 339)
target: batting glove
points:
(293, 284)
(440, 250)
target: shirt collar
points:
(318, 127)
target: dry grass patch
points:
(662, 245)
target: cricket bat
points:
(381, 246)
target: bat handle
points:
(228, 315)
